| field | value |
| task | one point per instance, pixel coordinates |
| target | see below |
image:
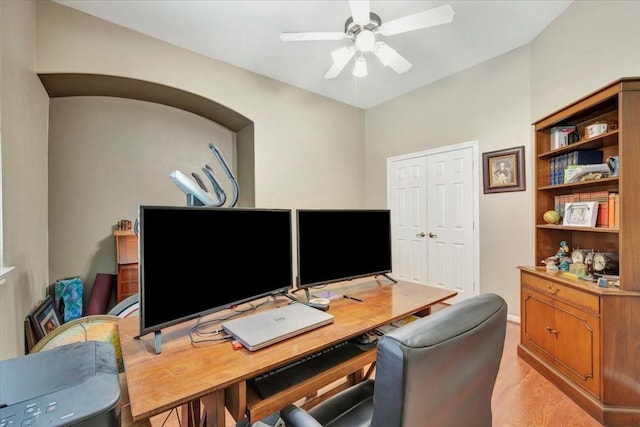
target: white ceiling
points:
(245, 33)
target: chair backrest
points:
(440, 370)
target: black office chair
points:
(436, 371)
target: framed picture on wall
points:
(503, 170)
(44, 318)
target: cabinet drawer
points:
(562, 292)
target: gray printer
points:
(71, 385)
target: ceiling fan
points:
(363, 27)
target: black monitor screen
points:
(198, 260)
(335, 245)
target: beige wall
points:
(106, 157)
(24, 122)
(588, 46)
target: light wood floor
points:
(521, 397)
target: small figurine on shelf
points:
(561, 260)
(563, 256)
(563, 251)
(565, 264)
(551, 263)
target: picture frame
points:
(44, 318)
(580, 214)
(503, 170)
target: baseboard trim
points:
(513, 318)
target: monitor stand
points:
(389, 277)
(157, 341)
(291, 297)
(307, 293)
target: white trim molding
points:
(3, 274)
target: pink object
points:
(100, 294)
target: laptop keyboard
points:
(272, 382)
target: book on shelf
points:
(561, 201)
(614, 210)
(607, 203)
(602, 197)
(558, 165)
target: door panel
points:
(407, 200)
(450, 225)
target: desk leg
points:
(213, 409)
(191, 413)
(235, 398)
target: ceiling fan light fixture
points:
(365, 40)
(360, 67)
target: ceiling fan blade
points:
(388, 56)
(311, 36)
(360, 11)
(340, 57)
(428, 18)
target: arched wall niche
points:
(74, 84)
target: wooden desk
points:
(186, 374)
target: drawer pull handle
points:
(551, 330)
(553, 291)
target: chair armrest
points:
(294, 416)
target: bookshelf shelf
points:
(588, 184)
(608, 139)
(582, 229)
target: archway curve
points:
(73, 84)
(77, 84)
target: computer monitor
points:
(342, 244)
(198, 260)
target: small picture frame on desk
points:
(44, 318)
(503, 170)
(580, 214)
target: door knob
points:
(433, 236)
(420, 234)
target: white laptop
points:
(269, 327)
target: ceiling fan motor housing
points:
(352, 29)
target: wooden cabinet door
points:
(538, 323)
(577, 346)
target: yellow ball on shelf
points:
(551, 217)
